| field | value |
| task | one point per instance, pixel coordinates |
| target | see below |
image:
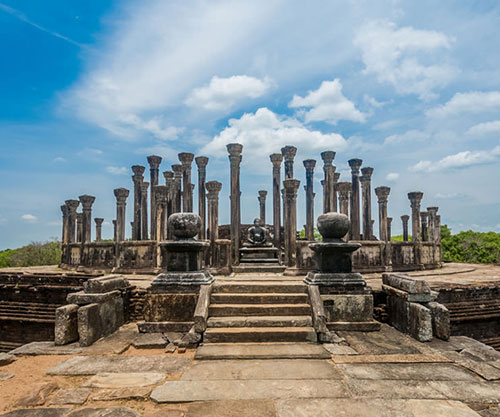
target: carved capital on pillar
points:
(64, 210)
(234, 150)
(79, 217)
(432, 211)
(87, 201)
(291, 186)
(309, 165)
(262, 195)
(169, 176)
(213, 188)
(424, 216)
(289, 152)
(144, 186)
(138, 171)
(336, 177)
(72, 205)
(154, 161)
(186, 159)
(355, 164)
(344, 188)
(415, 198)
(389, 221)
(382, 193)
(327, 157)
(98, 221)
(177, 168)
(201, 162)
(121, 195)
(366, 174)
(161, 194)
(276, 159)
(405, 218)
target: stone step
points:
(258, 268)
(260, 321)
(259, 334)
(230, 310)
(256, 298)
(261, 287)
(265, 261)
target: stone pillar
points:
(121, 195)
(438, 238)
(324, 195)
(235, 150)
(65, 212)
(423, 218)
(366, 198)
(213, 188)
(201, 162)
(170, 184)
(309, 164)
(79, 227)
(404, 220)
(355, 164)
(415, 198)
(277, 159)
(289, 153)
(389, 228)
(177, 168)
(262, 206)
(186, 159)
(344, 190)
(115, 239)
(144, 210)
(137, 178)
(87, 201)
(154, 170)
(291, 187)
(329, 200)
(336, 176)
(432, 223)
(98, 228)
(382, 195)
(161, 196)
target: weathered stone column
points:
(64, 235)
(144, 210)
(355, 164)
(423, 218)
(336, 176)
(432, 223)
(277, 159)
(121, 195)
(404, 220)
(137, 178)
(324, 195)
(309, 164)
(79, 227)
(98, 228)
(389, 229)
(415, 198)
(115, 238)
(382, 195)
(262, 206)
(329, 200)
(87, 201)
(161, 196)
(177, 168)
(235, 150)
(291, 187)
(201, 162)
(344, 189)
(213, 188)
(366, 198)
(170, 184)
(289, 153)
(154, 170)
(186, 159)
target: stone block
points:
(105, 412)
(5, 359)
(414, 298)
(398, 310)
(37, 395)
(406, 283)
(89, 324)
(76, 396)
(346, 308)
(105, 284)
(66, 326)
(170, 307)
(150, 341)
(420, 322)
(111, 313)
(81, 298)
(440, 320)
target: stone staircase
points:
(246, 311)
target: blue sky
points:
(91, 88)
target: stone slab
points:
(76, 396)
(187, 391)
(372, 408)
(261, 351)
(164, 326)
(136, 393)
(261, 369)
(483, 369)
(407, 371)
(169, 412)
(105, 412)
(5, 359)
(115, 343)
(46, 348)
(81, 298)
(235, 408)
(37, 396)
(150, 341)
(66, 326)
(468, 391)
(457, 343)
(4, 376)
(124, 380)
(38, 412)
(490, 412)
(406, 283)
(418, 358)
(104, 284)
(393, 389)
(336, 349)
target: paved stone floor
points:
(370, 374)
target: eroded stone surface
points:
(139, 393)
(468, 391)
(122, 380)
(105, 412)
(37, 395)
(75, 396)
(150, 341)
(46, 348)
(4, 376)
(391, 389)
(335, 349)
(5, 359)
(38, 412)
(260, 408)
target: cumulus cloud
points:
(471, 102)
(401, 56)
(224, 93)
(117, 170)
(29, 218)
(484, 128)
(327, 104)
(392, 176)
(156, 126)
(265, 132)
(408, 137)
(460, 159)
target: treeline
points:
(34, 254)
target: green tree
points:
(36, 253)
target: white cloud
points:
(397, 55)
(264, 132)
(29, 218)
(460, 159)
(117, 170)
(472, 102)
(392, 176)
(224, 93)
(484, 128)
(410, 136)
(327, 104)
(156, 126)
(451, 196)
(59, 159)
